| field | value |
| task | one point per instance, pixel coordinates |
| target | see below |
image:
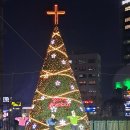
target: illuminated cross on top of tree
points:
(56, 13)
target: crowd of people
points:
(51, 122)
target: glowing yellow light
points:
(57, 73)
(56, 34)
(53, 48)
(127, 8)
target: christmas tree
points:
(57, 91)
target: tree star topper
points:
(56, 13)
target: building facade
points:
(87, 69)
(1, 47)
(126, 30)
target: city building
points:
(125, 8)
(87, 69)
(122, 86)
(1, 48)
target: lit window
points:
(81, 61)
(127, 19)
(70, 61)
(91, 68)
(92, 82)
(125, 2)
(127, 27)
(82, 75)
(82, 83)
(127, 8)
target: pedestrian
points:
(22, 121)
(51, 122)
(73, 120)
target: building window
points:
(91, 68)
(70, 61)
(127, 27)
(127, 8)
(91, 75)
(81, 61)
(82, 82)
(127, 19)
(82, 75)
(91, 82)
(91, 60)
(82, 68)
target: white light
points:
(53, 109)
(81, 127)
(81, 109)
(72, 87)
(53, 56)
(68, 100)
(34, 126)
(125, 2)
(42, 97)
(57, 83)
(62, 122)
(70, 61)
(63, 62)
(52, 41)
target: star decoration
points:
(57, 83)
(81, 109)
(81, 127)
(42, 97)
(53, 56)
(62, 122)
(63, 62)
(53, 109)
(52, 41)
(34, 126)
(72, 87)
(68, 100)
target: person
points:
(1, 121)
(22, 121)
(51, 122)
(73, 120)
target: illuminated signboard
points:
(125, 84)
(5, 99)
(90, 109)
(16, 104)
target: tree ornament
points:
(53, 56)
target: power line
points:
(21, 37)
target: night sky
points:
(88, 26)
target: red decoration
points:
(59, 102)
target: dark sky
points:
(88, 26)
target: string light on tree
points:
(62, 122)
(53, 109)
(57, 83)
(81, 127)
(55, 73)
(72, 87)
(52, 41)
(53, 56)
(42, 97)
(63, 62)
